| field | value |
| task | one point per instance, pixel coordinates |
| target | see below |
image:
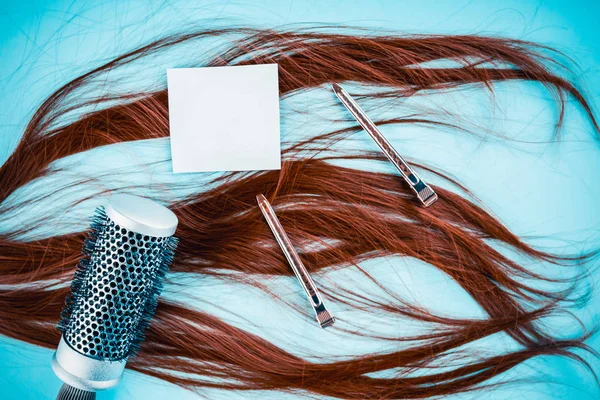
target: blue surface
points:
(547, 193)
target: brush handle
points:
(68, 392)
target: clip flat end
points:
(325, 318)
(427, 196)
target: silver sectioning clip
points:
(424, 192)
(324, 317)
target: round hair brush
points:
(114, 293)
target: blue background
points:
(547, 193)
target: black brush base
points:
(68, 392)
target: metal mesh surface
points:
(115, 289)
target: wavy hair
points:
(340, 216)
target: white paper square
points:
(224, 118)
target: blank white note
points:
(224, 118)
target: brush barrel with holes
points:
(114, 293)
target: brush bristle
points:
(78, 284)
(152, 302)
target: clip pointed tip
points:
(261, 199)
(336, 88)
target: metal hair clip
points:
(424, 192)
(324, 317)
